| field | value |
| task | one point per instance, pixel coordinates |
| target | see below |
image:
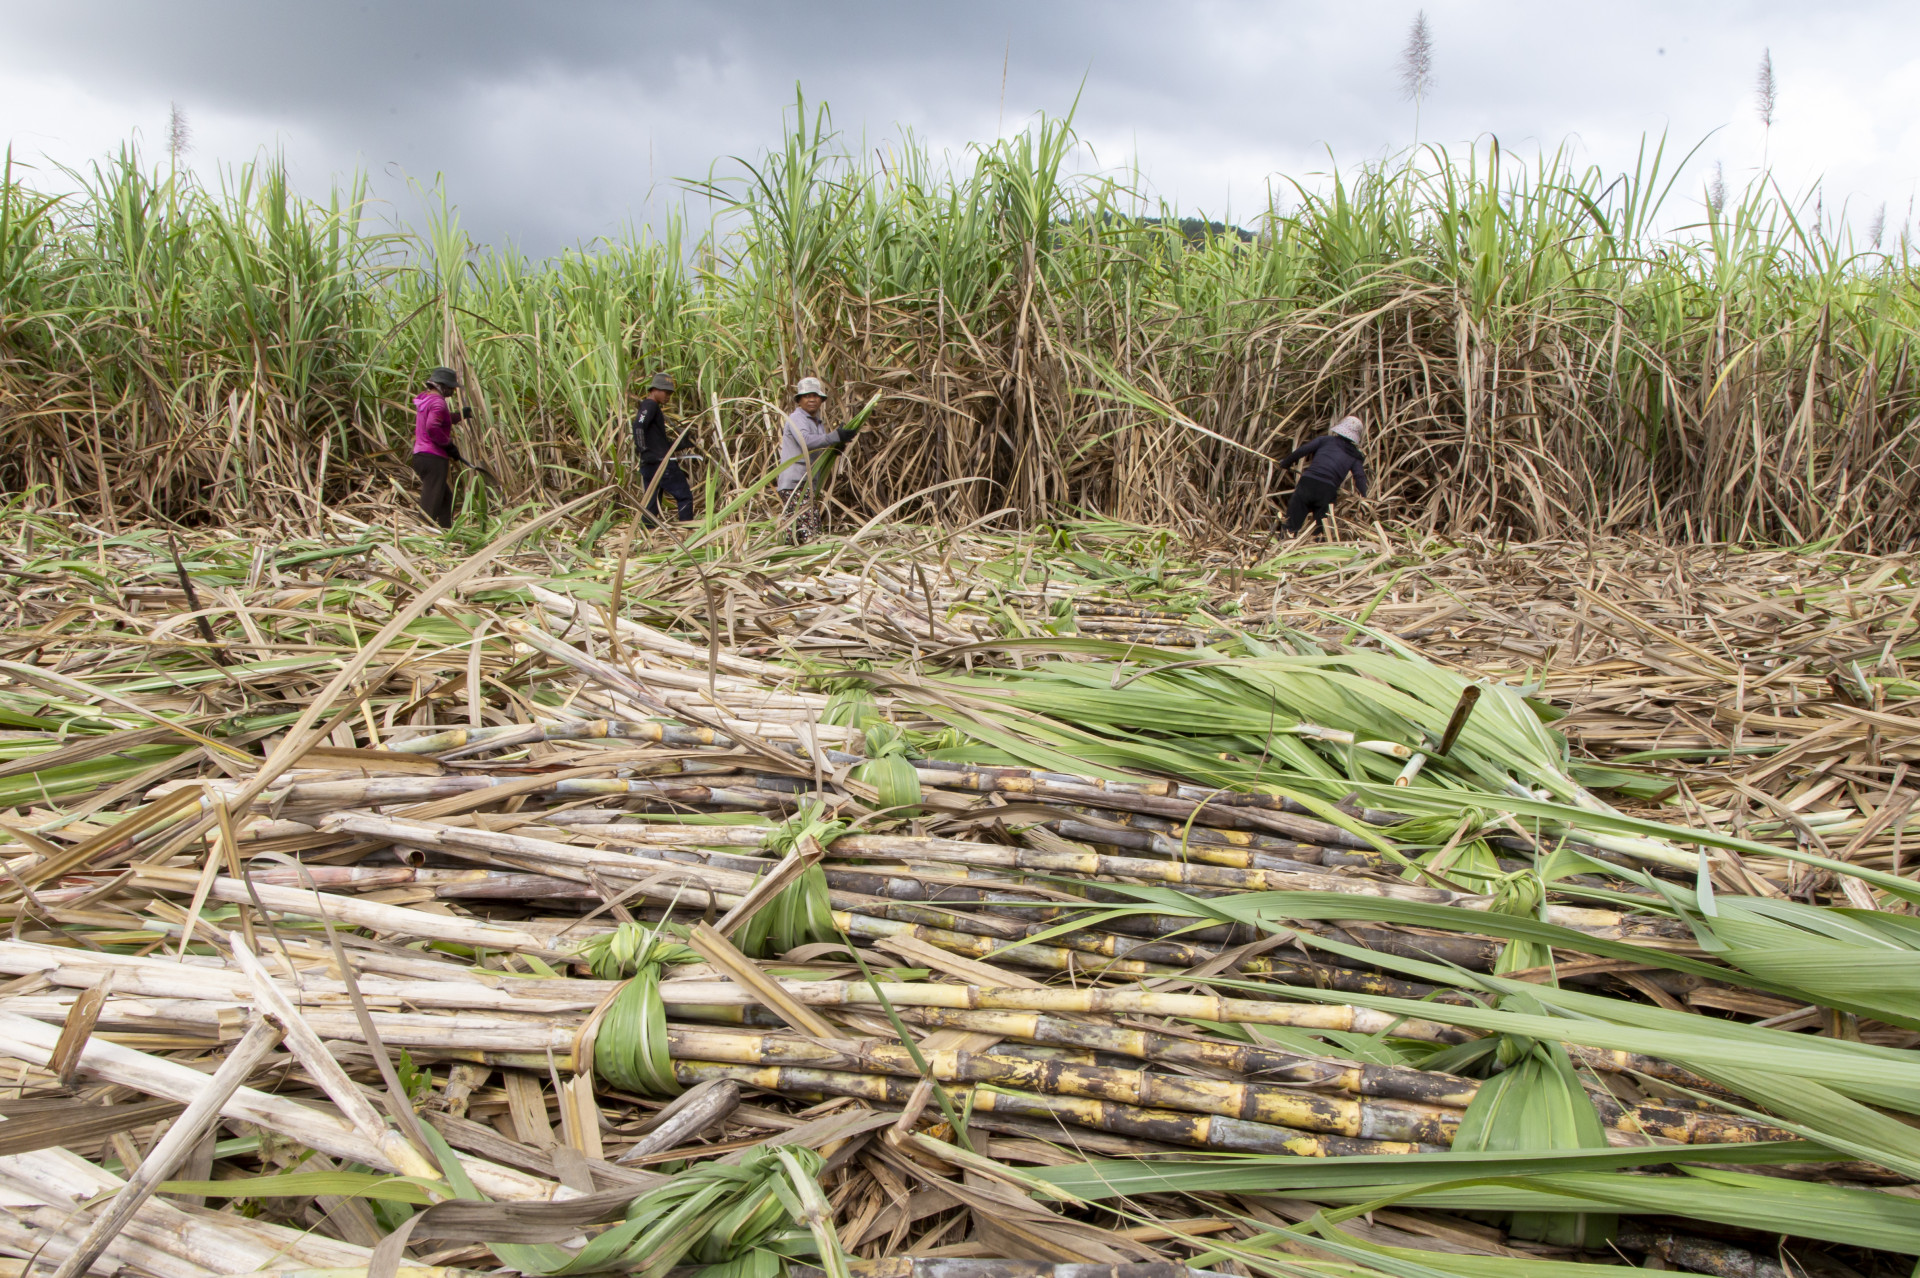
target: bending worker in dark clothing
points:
(433, 447)
(1332, 457)
(656, 452)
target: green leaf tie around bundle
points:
(1520, 894)
(1468, 863)
(1537, 1105)
(630, 1048)
(629, 948)
(1437, 828)
(739, 1220)
(889, 770)
(802, 911)
(850, 703)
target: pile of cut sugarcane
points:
(949, 902)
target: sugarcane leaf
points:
(1830, 1213)
(1885, 1076)
(531, 1257)
(1078, 923)
(1467, 1266)
(799, 1192)
(1366, 1048)
(1822, 1114)
(343, 1184)
(1537, 1103)
(1655, 834)
(1321, 1236)
(1097, 1179)
(1271, 911)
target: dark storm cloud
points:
(559, 122)
(555, 122)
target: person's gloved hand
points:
(459, 414)
(453, 451)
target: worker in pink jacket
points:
(433, 447)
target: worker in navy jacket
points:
(1331, 458)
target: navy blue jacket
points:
(650, 434)
(1332, 457)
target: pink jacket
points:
(432, 424)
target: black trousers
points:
(1310, 497)
(436, 494)
(672, 484)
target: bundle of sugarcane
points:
(492, 1025)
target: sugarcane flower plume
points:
(1416, 60)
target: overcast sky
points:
(559, 122)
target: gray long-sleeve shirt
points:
(800, 438)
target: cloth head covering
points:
(1351, 429)
(810, 386)
(662, 381)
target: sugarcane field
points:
(921, 714)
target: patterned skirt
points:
(802, 516)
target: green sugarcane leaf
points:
(1823, 1114)
(1854, 1217)
(1259, 1173)
(1883, 1076)
(1538, 1104)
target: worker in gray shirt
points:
(804, 442)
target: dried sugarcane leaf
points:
(75, 1122)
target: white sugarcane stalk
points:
(172, 1148)
(390, 920)
(136, 977)
(616, 688)
(601, 826)
(30, 1041)
(779, 729)
(608, 679)
(360, 1271)
(380, 791)
(213, 1017)
(1340, 736)
(324, 1070)
(162, 1229)
(565, 857)
(737, 691)
(642, 636)
(52, 1235)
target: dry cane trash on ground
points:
(962, 904)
